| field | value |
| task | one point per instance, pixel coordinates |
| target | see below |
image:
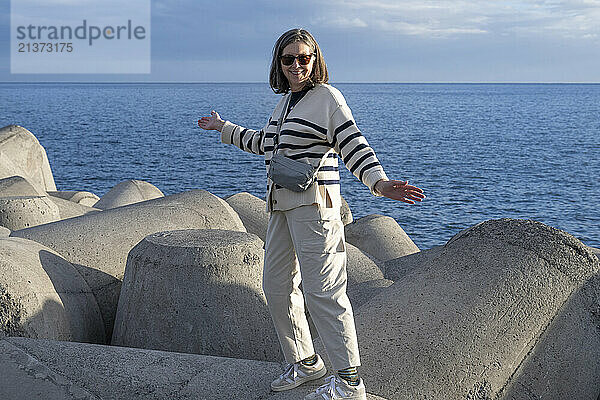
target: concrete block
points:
(380, 236)
(43, 296)
(465, 325)
(18, 186)
(68, 209)
(197, 291)
(27, 211)
(22, 154)
(4, 232)
(52, 370)
(98, 243)
(360, 267)
(345, 212)
(80, 197)
(396, 268)
(128, 192)
(252, 212)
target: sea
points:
(479, 151)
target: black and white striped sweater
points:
(318, 128)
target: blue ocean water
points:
(479, 151)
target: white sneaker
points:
(337, 388)
(296, 374)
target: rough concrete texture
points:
(80, 197)
(380, 236)
(360, 267)
(51, 370)
(460, 327)
(21, 154)
(18, 186)
(98, 243)
(396, 268)
(21, 212)
(345, 213)
(128, 192)
(252, 212)
(564, 364)
(362, 292)
(595, 251)
(68, 209)
(4, 232)
(43, 296)
(197, 291)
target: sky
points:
(363, 41)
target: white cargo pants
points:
(306, 244)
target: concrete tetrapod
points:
(345, 212)
(18, 186)
(43, 296)
(252, 212)
(98, 243)
(466, 323)
(359, 267)
(128, 192)
(22, 154)
(27, 211)
(80, 197)
(380, 236)
(69, 209)
(197, 291)
(52, 370)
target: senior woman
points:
(305, 236)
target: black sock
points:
(350, 375)
(309, 361)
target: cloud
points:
(451, 18)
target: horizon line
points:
(341, 82)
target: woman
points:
(305, 235)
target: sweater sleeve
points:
(246, 139)
(358, 157)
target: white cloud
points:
(449, 18)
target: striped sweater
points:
(318, 128)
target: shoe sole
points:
(321, 373)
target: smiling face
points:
(296, 73)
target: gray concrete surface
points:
(396, 268)
(128, 192)
(564, 364)
(51, 370)
(21, 212)
(18, 186)
(360, 267)
(345, 212)
(98, 243)
(69, 209)
(4, 232)
(43, 296)
(463, 325)
(197, 291)
(252, 212)
(80, 197)
(380, 236)
(22, 154)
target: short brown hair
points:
(277, 79)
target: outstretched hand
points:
(213, 122)
(399, 190)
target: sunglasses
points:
(303, 59)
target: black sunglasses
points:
(303, 59)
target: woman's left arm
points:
(360, 159)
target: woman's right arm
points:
(246, 139)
